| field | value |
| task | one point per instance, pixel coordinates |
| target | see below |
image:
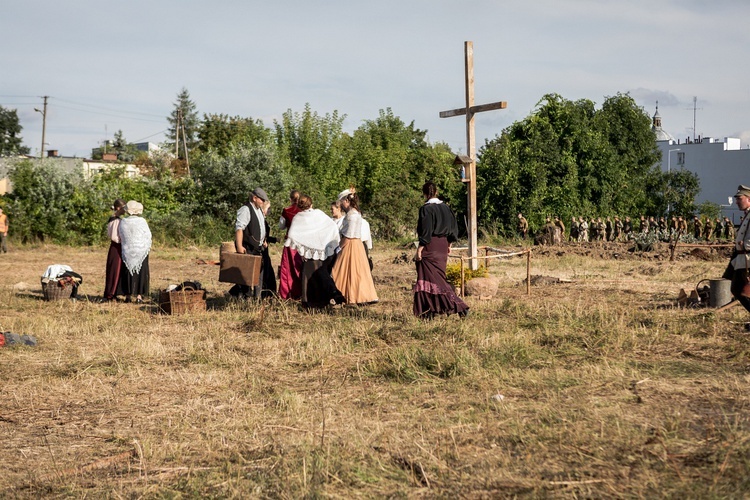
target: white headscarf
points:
(313, 234)
(135, 237)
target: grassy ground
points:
(598, 388)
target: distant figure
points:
(583, 230)
(728, 229)
(135, 238)
(114, 255)
(523, 226)
(4, 226)
(574, 230)
(697, 227)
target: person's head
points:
(134, 208)
(336, 210)
(742, 197)
(118, 206)
(429, 190)
(304, 202)
(294, 196)
(348, 199)
(258, 197)
(266, 207)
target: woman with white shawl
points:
(315, 237)
(135, 238)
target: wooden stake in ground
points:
(471, 168)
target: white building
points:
(721, 165)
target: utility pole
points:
(177, 134)
(44, 124)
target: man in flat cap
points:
(250, 236)
(738, 269)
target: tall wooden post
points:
(471, 174)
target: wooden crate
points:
(183, 301)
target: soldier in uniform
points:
(523, 226)
(574, 229)
(617, 235)
(608, 229)
(728, 229)
(673, 225)
(697, 227)
(719, 228)
(708, 229)
(643, 227)
(653, 226)
(583, 230)
(560, 225)
(662, 225)
(682, 227)
(600, 229)
(627, 227)
(737, 270)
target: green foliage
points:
(10, 130)
(185, 117)
(671, 192)
(709, 209)
(453, 273)
(220, 132)
(224, 182)
(314, 148)
(41, 202)
(566, 159)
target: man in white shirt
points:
(250, 235)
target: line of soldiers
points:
(616, 229)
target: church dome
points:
(661, 134)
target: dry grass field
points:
(599, 387)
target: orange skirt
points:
(352, 275)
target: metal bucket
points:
(721, 293)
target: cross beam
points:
(471, 167)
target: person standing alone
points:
(4, 225)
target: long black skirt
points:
(432, 292)
(135, 284)
(114, 265)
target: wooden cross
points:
(471, 168)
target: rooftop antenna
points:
(695, 109)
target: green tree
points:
(390, 161)
(315, 150)
(220, 132)
(567, 158)
(224, 182)
(10, 130)
(126, 152)
(183, 124)
(41, 201)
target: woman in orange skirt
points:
(351, 272)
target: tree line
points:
(565, 158)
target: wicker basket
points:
(53, 291)
(182, 301)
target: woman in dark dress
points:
(437, 229)
(114, 255)
(135, 238)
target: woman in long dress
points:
(437, 229)
(351, 272)
(135, 238)
(290, 269)
(114, 255)
(315, 237)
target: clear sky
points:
(110, 66)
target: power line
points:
(107, 109)
(110, 114)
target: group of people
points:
(127, 270)
(325, 259)
(617, 229)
